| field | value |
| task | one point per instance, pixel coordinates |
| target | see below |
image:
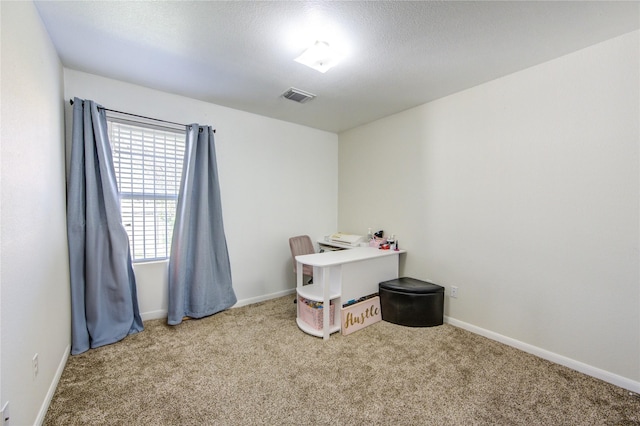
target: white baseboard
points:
(162, 314)
(52, 387)
(589, 370)
(262, 298)
(152, 315)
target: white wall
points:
(277, 180)
(34, 258)
(524, 193)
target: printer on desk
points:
(342, 239)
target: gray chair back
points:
(300, 245)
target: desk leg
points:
(323, 275)
(298, 274)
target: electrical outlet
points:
(454, 291)
(34, 363)
(5, 414)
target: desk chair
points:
(302, 245)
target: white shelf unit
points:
(315, 292)
(322, 276)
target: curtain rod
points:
(142, 116)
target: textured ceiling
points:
(397, 54)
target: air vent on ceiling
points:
(298, 95)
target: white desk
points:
(343, 275)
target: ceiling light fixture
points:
(320, 57)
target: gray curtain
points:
(104, 303)
(199, 269)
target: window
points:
(148, 164)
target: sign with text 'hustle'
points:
(360, 315)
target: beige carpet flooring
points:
(253, 366)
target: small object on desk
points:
(391, 241)
(376, 242)
(397, 246)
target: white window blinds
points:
(148, 164)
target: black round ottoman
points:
(411, 302)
